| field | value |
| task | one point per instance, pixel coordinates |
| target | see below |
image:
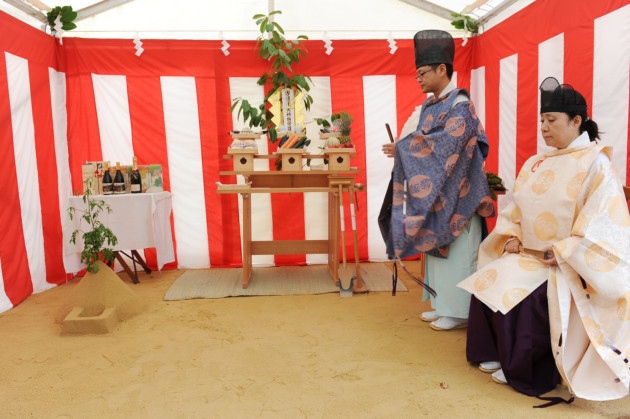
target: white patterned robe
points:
(571, 199)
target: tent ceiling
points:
(479, 10)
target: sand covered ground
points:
(321, 356)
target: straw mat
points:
(281, 280)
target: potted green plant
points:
(282, 54)
(97, 238)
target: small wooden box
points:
(292, 158)
(243, 159)
(339, 158)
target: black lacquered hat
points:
(556, 97)
(433, 47)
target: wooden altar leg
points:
(247, 239)
(333, 236)
(359, 284)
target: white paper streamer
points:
(225, 46)
(138, 43)
(57, 27)
(392, 44)
(327, 44)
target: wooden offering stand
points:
(243, 149)
(333, 182)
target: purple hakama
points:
(519, 340)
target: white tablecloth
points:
(139, 221)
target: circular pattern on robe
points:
(516, 215)
(530, 264)
(543, 182)
(485, 280)
(560, 246)
(618, 211)
(455, 126)
(486, 207)
(598, 179)
(471, 146)
(440, 202)
(428, 123)
(514, 296)
(398, 193)
(546, 226)
(579, 225)
(450, 164)
(420, 186)
(457, 224)
(574, 185)
(464, 187)
(522, 179)
(593, 330)
(421, 146)
(601, 257)
(413, 224)
(426, 240)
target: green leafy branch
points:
(343, 117)
(94, 239)
(67, 17)
(495, 183)
(282, 54)
(465, 22)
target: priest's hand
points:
(513, 245)
(389, 149)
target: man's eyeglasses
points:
(421, 75)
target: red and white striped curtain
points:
(96, 100)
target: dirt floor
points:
(368, 356)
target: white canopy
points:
(215, 19)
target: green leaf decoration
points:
(66, 17)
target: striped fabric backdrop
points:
(92, 99)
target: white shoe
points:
(499, 377)
(449, 323)
(489, 366)
(429, 316)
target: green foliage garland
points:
(67, 17)
(282, 54)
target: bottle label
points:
(119, 187)
(108, 188)
(135, 188)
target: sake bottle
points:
(108, 187)
(119, 180)
(136, 179)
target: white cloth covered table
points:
(139, 221)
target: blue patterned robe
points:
(442, 164)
